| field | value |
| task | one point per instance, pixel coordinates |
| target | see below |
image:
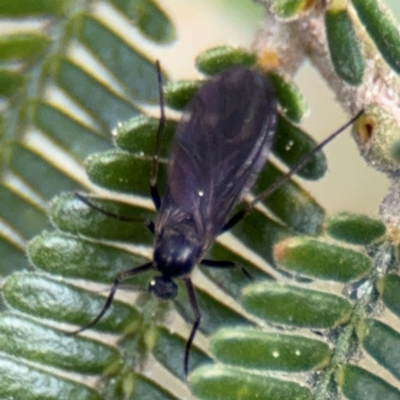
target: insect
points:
(221, 144)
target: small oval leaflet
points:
(221, 143)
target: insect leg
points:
(234, 220)
(226, 264)
(197, 317)
(123, 276)
(85, 200)
(278, 183)
(155, 195)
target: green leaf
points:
(32, 167)
(389, 288)
(217, 59)
(23, 45)
(344, 46)
(47, 346)
(25, 382)
(70, 214)
(80, 72)
(278, 303)
(354, 228)
(38, 295)
(137, 135)
(152, 21)
(145, 389)
(121, 172)
(11, 8)
(26, 216)
(291, 203)
(290, 8)
(179, 93)
(382, 29)
(319, 259)
(258, 233)
(292, 102)
(75, 137)
(104, 104)
(214, 314)
(250, 348)
(13, 256)
(292, 144)
(120, 58)
(207, 381)
(358, 384)
(382, 343)
(63, 253)
(169, 351)
(10, 82)
(233, 281)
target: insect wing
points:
(221, 143)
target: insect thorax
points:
(177, 250)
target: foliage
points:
(322, 283)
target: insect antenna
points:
(123, 276)
(155, 194)
(279, 182)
